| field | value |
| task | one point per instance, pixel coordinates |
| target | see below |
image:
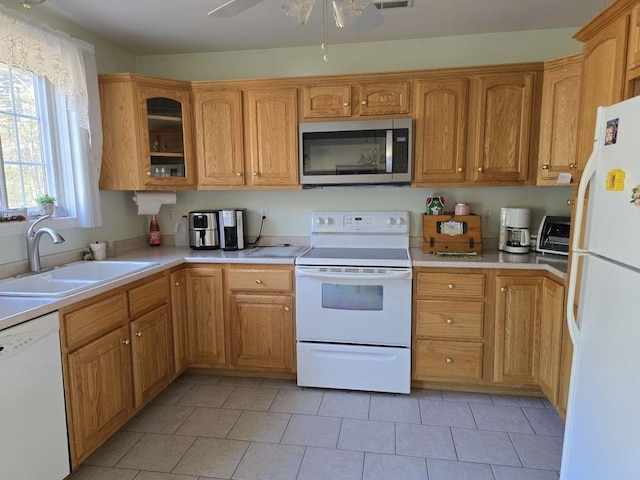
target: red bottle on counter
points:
(154, 232)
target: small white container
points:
(99, 250)
(181, 232)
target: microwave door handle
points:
(389, 152)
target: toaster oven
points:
(553, 235)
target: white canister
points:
(181, 232)
(99, 250)
(461, 209)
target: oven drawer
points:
(354, 367)
(450, 285)
(256, 279)
(449, 319)
(439, 360)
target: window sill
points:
(8, 229)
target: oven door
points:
(358, 305)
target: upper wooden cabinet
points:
(246, 138)
(219, 138)
(441, 110)
(603, 73)
(501, 116)
(559, 118)
(146, 125)
(271, 130)
(357, 99)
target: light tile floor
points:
(210, 427)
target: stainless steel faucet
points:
(33, 242)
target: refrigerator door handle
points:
(574, 330)
(576, 251)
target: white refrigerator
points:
(602, 434)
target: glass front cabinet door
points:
(166, 148)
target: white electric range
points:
(353, 302)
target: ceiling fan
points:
(362, 14)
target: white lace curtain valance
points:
(50, 55)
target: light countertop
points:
(15, 310)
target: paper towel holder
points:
(149, 203)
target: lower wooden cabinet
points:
(152, 354)
(117, 355)
(261, 318)
(99, 394)
(205, 316)
(179, 319)
(449, 327)
(551, 322)
(517, 330)
(490, 329)
(262, 332)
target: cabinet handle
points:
(571, 203)
(258, 281)
(345, 104)
(176, 284)
(126, 342)
(148, 174)
(138, 334)
(451, 285)
(286, 309)
(503, 289)
(238, 174)
(449, 321)
(480, 169)
(545, 167)
(364, 102)
(449, 360)
(255, 174)
(460, 169)
(572, 166)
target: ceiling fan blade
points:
(233, 8)
(369, 19)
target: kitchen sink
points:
(70, 278)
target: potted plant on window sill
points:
(46, 204)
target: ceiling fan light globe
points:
(299, 10)
(345, 12)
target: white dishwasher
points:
(33, 423)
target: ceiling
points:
(157, 27)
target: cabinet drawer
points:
(151, 294)
(449, 319)
(450, 285)
(88, 323)
(437, 359)
(258, 280)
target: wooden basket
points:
(451, 233)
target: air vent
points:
(387, 4)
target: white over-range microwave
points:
(356, 152)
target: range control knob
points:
(400, 221)
(319, 221)
(391, 221)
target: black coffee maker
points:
(232, 222)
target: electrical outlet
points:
(487, 214)
(264, 213)
(170, 214)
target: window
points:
(25, 146)
(50, 132)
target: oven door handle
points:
(351, 276)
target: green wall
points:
(289, 210)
